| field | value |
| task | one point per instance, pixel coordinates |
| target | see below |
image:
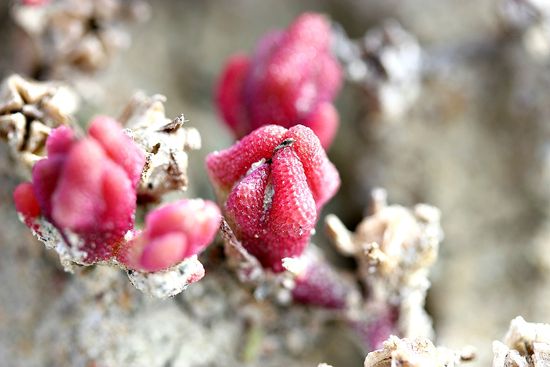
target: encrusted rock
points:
(525, 345)
(165, 142)
(395, 248)
(29, 110)
(387, 64)
(419, 352)
(169, 282)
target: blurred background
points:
(474, 143)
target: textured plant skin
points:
(26, 203)
(87, 186)
(172, 233)
(319, 285)
(274, 182)
(375, 331)
(291, 78)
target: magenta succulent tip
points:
(173, 233)
(87, 186)
(275, 182)
(291, 78)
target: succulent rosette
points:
(273, 184)
(291, 78)
(86, 189)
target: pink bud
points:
(87, 186)
(173, 233)
(276, 181)
(290, 79)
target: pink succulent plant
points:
(173, 233)
(274, 182)
(290, 79)
(86, 187)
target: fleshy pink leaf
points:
(60, 141)
(118, 146)
(163, 252)
(77, 198)
(323, 179)
(228, 166)
(229, 90)
(25, 200)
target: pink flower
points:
(87, 186)
(275, 181)
(172, 233)
(290, 79)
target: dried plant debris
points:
(530, 21)
(387, 64)
(78, 35)
(419, 352)
(29, 110)
(525, 345)
(395, 248)
(265, 284)
(165, 141)
(522, 14)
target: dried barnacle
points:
(530, 20)
(387, 64)
(77, 35)
(519, 15)
(165, 142)
(29, 110)
(525, 344)
(395, 248)
(419, 352)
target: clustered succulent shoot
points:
(274, 182)
(291, 78)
